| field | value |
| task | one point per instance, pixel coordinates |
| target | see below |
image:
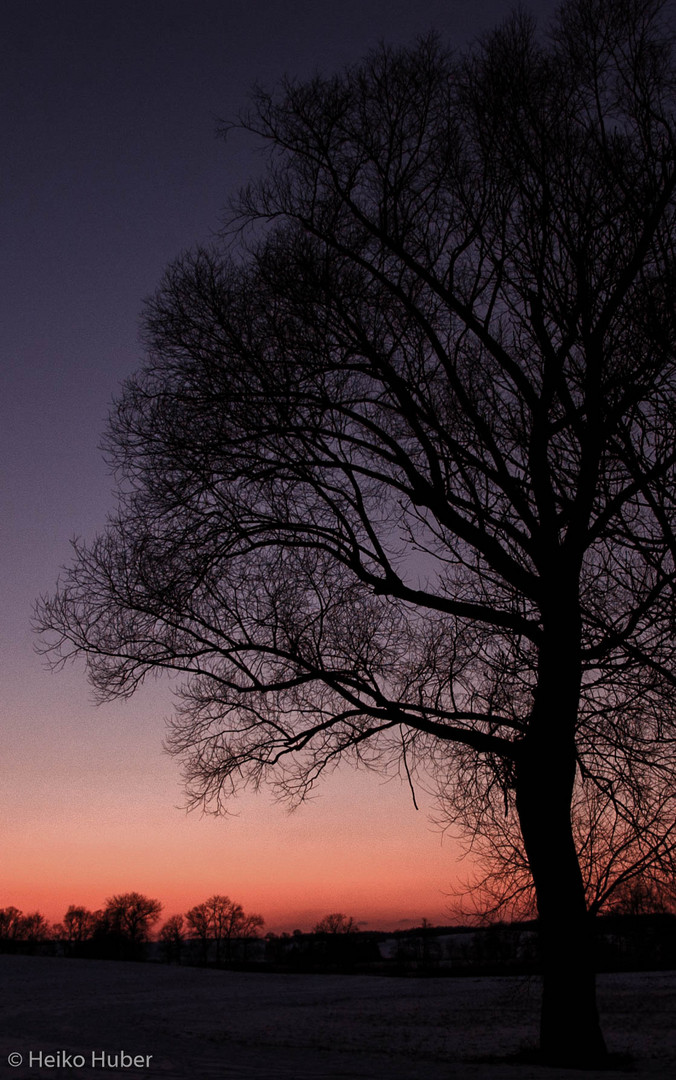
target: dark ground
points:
(201, 1024)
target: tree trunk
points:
(570, 1033)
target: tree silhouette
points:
(337, 923)
(220, 921)
(78, 924)
(128, 919)
(11, 919)
(397, 481)
(198, 919)
(34, 928)
(643, 898)
(171, 938)
(19, 932)
(625, 840)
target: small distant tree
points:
(337, 923)
(250, 925)
(335, 943)
(130, 917)
(643, 898)
(78, 924)
(199, 922)
(10, 927)
(171, 938)
(19, 932)
(34, 927)
(220, 920)
(100, 921)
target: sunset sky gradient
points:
(113, 168)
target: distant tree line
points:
(639, 929)
(125, 925)
(216, 923)
(19, 931)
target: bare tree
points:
(34, 928)
(171, 938)
(19, 932)
(397, 481)
(625, 847)
(639, 897)
(337, 923)
(198, 919)
(11, 919)
(131, 916)
(220, 920)
(78, 924)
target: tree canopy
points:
(220, 920)
(397, 479)
(130, 915)
(336, 923)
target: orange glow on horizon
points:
(90, 830)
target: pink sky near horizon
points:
(359, 846)
(94, 806)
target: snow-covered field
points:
(206, 1024)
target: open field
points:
(205, 1024)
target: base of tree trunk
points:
(570, 1031)
(576, 1057)
(533, 1057)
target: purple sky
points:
(111, 167)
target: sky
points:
(112, 167)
